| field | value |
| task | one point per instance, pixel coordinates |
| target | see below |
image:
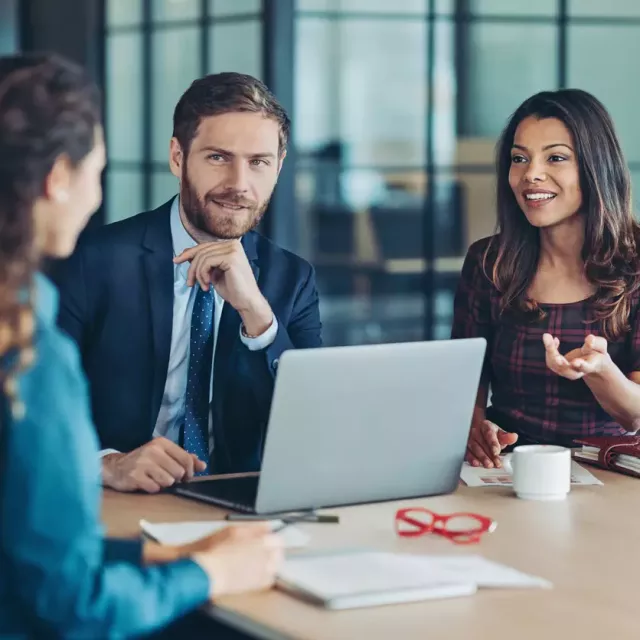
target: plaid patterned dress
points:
(527, 397)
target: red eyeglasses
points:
(461, 528)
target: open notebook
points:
(353, 579)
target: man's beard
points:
(224, 224)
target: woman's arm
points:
(617, 394)
(472, 318)
(52, 541)
(486, 439)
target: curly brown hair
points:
(612, 235)
(49, 108)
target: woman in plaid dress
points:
(556, 290)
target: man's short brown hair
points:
(226, 93)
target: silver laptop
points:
(359, 424)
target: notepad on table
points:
(350, 580)
(177, 533)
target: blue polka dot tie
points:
(196, 416)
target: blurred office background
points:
(396, 106)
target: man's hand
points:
(486, 441)
(592, 357)
(152, 467)
(224, 265)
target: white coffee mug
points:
(541, 472)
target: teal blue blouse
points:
(58, 575)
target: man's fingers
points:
(198, 465)
(186, 255)
(219, 246)
(145, 482)
(194, 273)
(159, 475)
(182, 457)
(170, 465)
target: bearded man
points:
(182, 313)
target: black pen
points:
(290, 518)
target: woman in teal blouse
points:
(59, 577)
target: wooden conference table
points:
(587, 546)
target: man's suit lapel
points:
(158, 267)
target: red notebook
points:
(614, 453)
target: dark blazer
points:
(59, 578)
(117, 304)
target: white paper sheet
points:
(485, 573)
(481, 477)
(176, 533)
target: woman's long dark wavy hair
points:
(610, 250)
(49, 108)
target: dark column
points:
(281, 223)
(72, 28)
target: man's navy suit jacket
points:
(117, 304)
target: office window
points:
(603, 9)
(503, 71)
(124, 98)
(503, 8)
(123, 13)
(164, 186)
(175, 10)
(607, 75)
(173, 42)
(175, 64)
(227, 8)
(382, 92)
(236, 47)
(395, 118)
(361, 136)
(445, 7)
(124, 193)
(412, 7)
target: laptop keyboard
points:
(235, 493)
